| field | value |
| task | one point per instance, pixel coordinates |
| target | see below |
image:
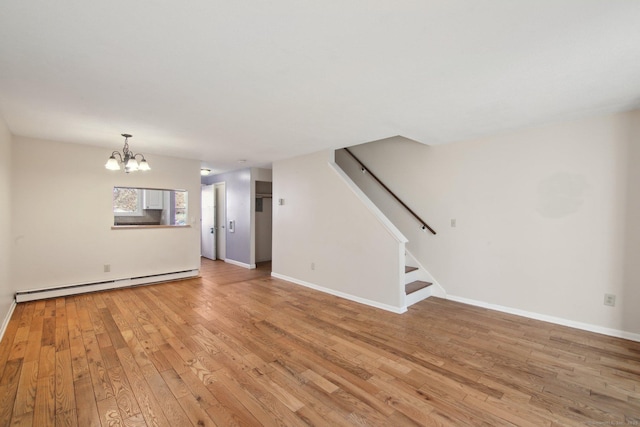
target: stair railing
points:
(364, 169)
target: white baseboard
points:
(551, 319)
(60, 291)
(240, 264)
(7, 318)
(371, 303)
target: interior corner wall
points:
(546, 218)
(239, 207)
(62, 217)
(6, 287)
(324, 236)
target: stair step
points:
(409, 269)
(416, 286)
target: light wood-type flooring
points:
(237, 347)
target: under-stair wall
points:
(326, 238)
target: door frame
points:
(207, 238)
(220, 195)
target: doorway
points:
(263, 219)
(220, 220)
(207, 238)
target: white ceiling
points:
(220, 81)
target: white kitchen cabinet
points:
(152, 199)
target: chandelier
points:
(127, 158)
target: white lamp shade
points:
(112, 164)
(132, 165)
(144, 166)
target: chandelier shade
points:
(127, 158)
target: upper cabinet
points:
(152, 199)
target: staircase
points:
(418, 282)
(416, 286)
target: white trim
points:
(7, 318)
(375, 211)
(551, 319)
(81, 288)
(417, 296)
(391, 308)
(240, 264)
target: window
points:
(180, 208)
(149, 207)
(127, 201)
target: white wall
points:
(546, 217)
(324, 223)
(6, 288)
(62, 217)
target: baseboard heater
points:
(81, 288)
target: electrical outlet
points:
(453, 222)
(610, 300)
(107, 268)
(313, 265)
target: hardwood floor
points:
(237, 347)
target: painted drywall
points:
(6, 287)
(239, 205)
(546, 218)
(62, 216)
(325, 236)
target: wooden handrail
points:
(366, 169)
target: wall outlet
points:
(107, 268)
(610, 300)
(313, 265)
(453, 223)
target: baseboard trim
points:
(240, 264)
(371, 303)
(7, 318)
(81, 288)
(551, 319)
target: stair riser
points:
(417, 296)
(412, 276)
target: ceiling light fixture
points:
(205, 172)
(127, 158)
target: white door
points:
(221, 211)
(208, 240)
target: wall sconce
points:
(127, 158)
